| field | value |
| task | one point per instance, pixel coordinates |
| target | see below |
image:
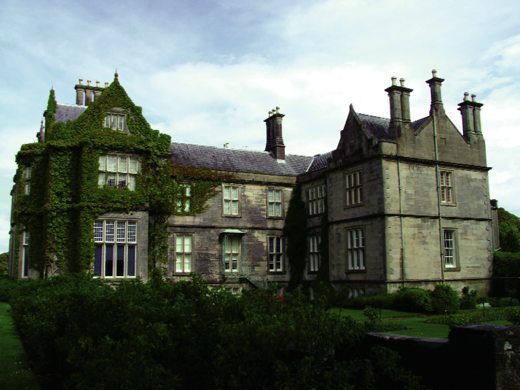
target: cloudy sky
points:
(209, 71)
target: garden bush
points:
(381, 301)
(7, 287)
(444, 299)
(468, 299)
(83, 334)
(413, 299)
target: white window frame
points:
(314, 252)
(24, 269)
(230, 200)
(449, 245)
(446, 186)
(183, 253)
(275, 254)
(183, 204)
(115, 121)
(316, 200)
(355, 249)
(232, 252)
(27, 173)
(115, 244)
(119, 171)
(274, 203)
(353, 188)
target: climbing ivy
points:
(65, 198)
(295, 230)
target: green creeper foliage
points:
(295, 229)
(65, 198)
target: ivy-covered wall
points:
(65, 198)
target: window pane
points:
(120, 265)
(109, 231)
(98, 231)
(133, 165)
(111, 163)
(132, 231)
(121, 165)
(121, 231)
(97, 260)
(131, 260)
(109, 260)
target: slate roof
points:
(235, 160)
(378, 126)
(319, 162)
(65, 112)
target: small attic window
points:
(116, 120)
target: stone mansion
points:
(403, 202)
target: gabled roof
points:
(65, 112)
(234, 160)
(379, 127)
(319, 162)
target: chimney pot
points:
(394, 80)
(106, 84)
(401, 80)
(473, 98)
(80, 81)
(466, 96)
(97, 84)
(88, 83)
(434, 72)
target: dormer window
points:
(118, 171)
(116, 121)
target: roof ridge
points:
(239, 150)
(70, 105)
(373, 116)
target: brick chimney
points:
(470, 111)
(399, 97)
(435, 92)
(274, 137)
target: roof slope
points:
(234, 160)
(65, 112)
(379, 127)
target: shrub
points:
(381, 301)
(513, 315)
(7, 288)
(506, 264)
(413, 299)
(468, 299)
(444, 299)
(503, 301)
(81, 333)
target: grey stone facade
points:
(406, 203)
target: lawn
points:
(414, 323)
(14, 371)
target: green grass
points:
(14, 371)
(414, 323)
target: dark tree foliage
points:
(295, 230)
(509, 225)
(4, 259)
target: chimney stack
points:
(86, 94)
(435, 92)
(399, 105)
(80, 93)
(470, 111)
(274, 136)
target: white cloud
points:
(208, 72)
